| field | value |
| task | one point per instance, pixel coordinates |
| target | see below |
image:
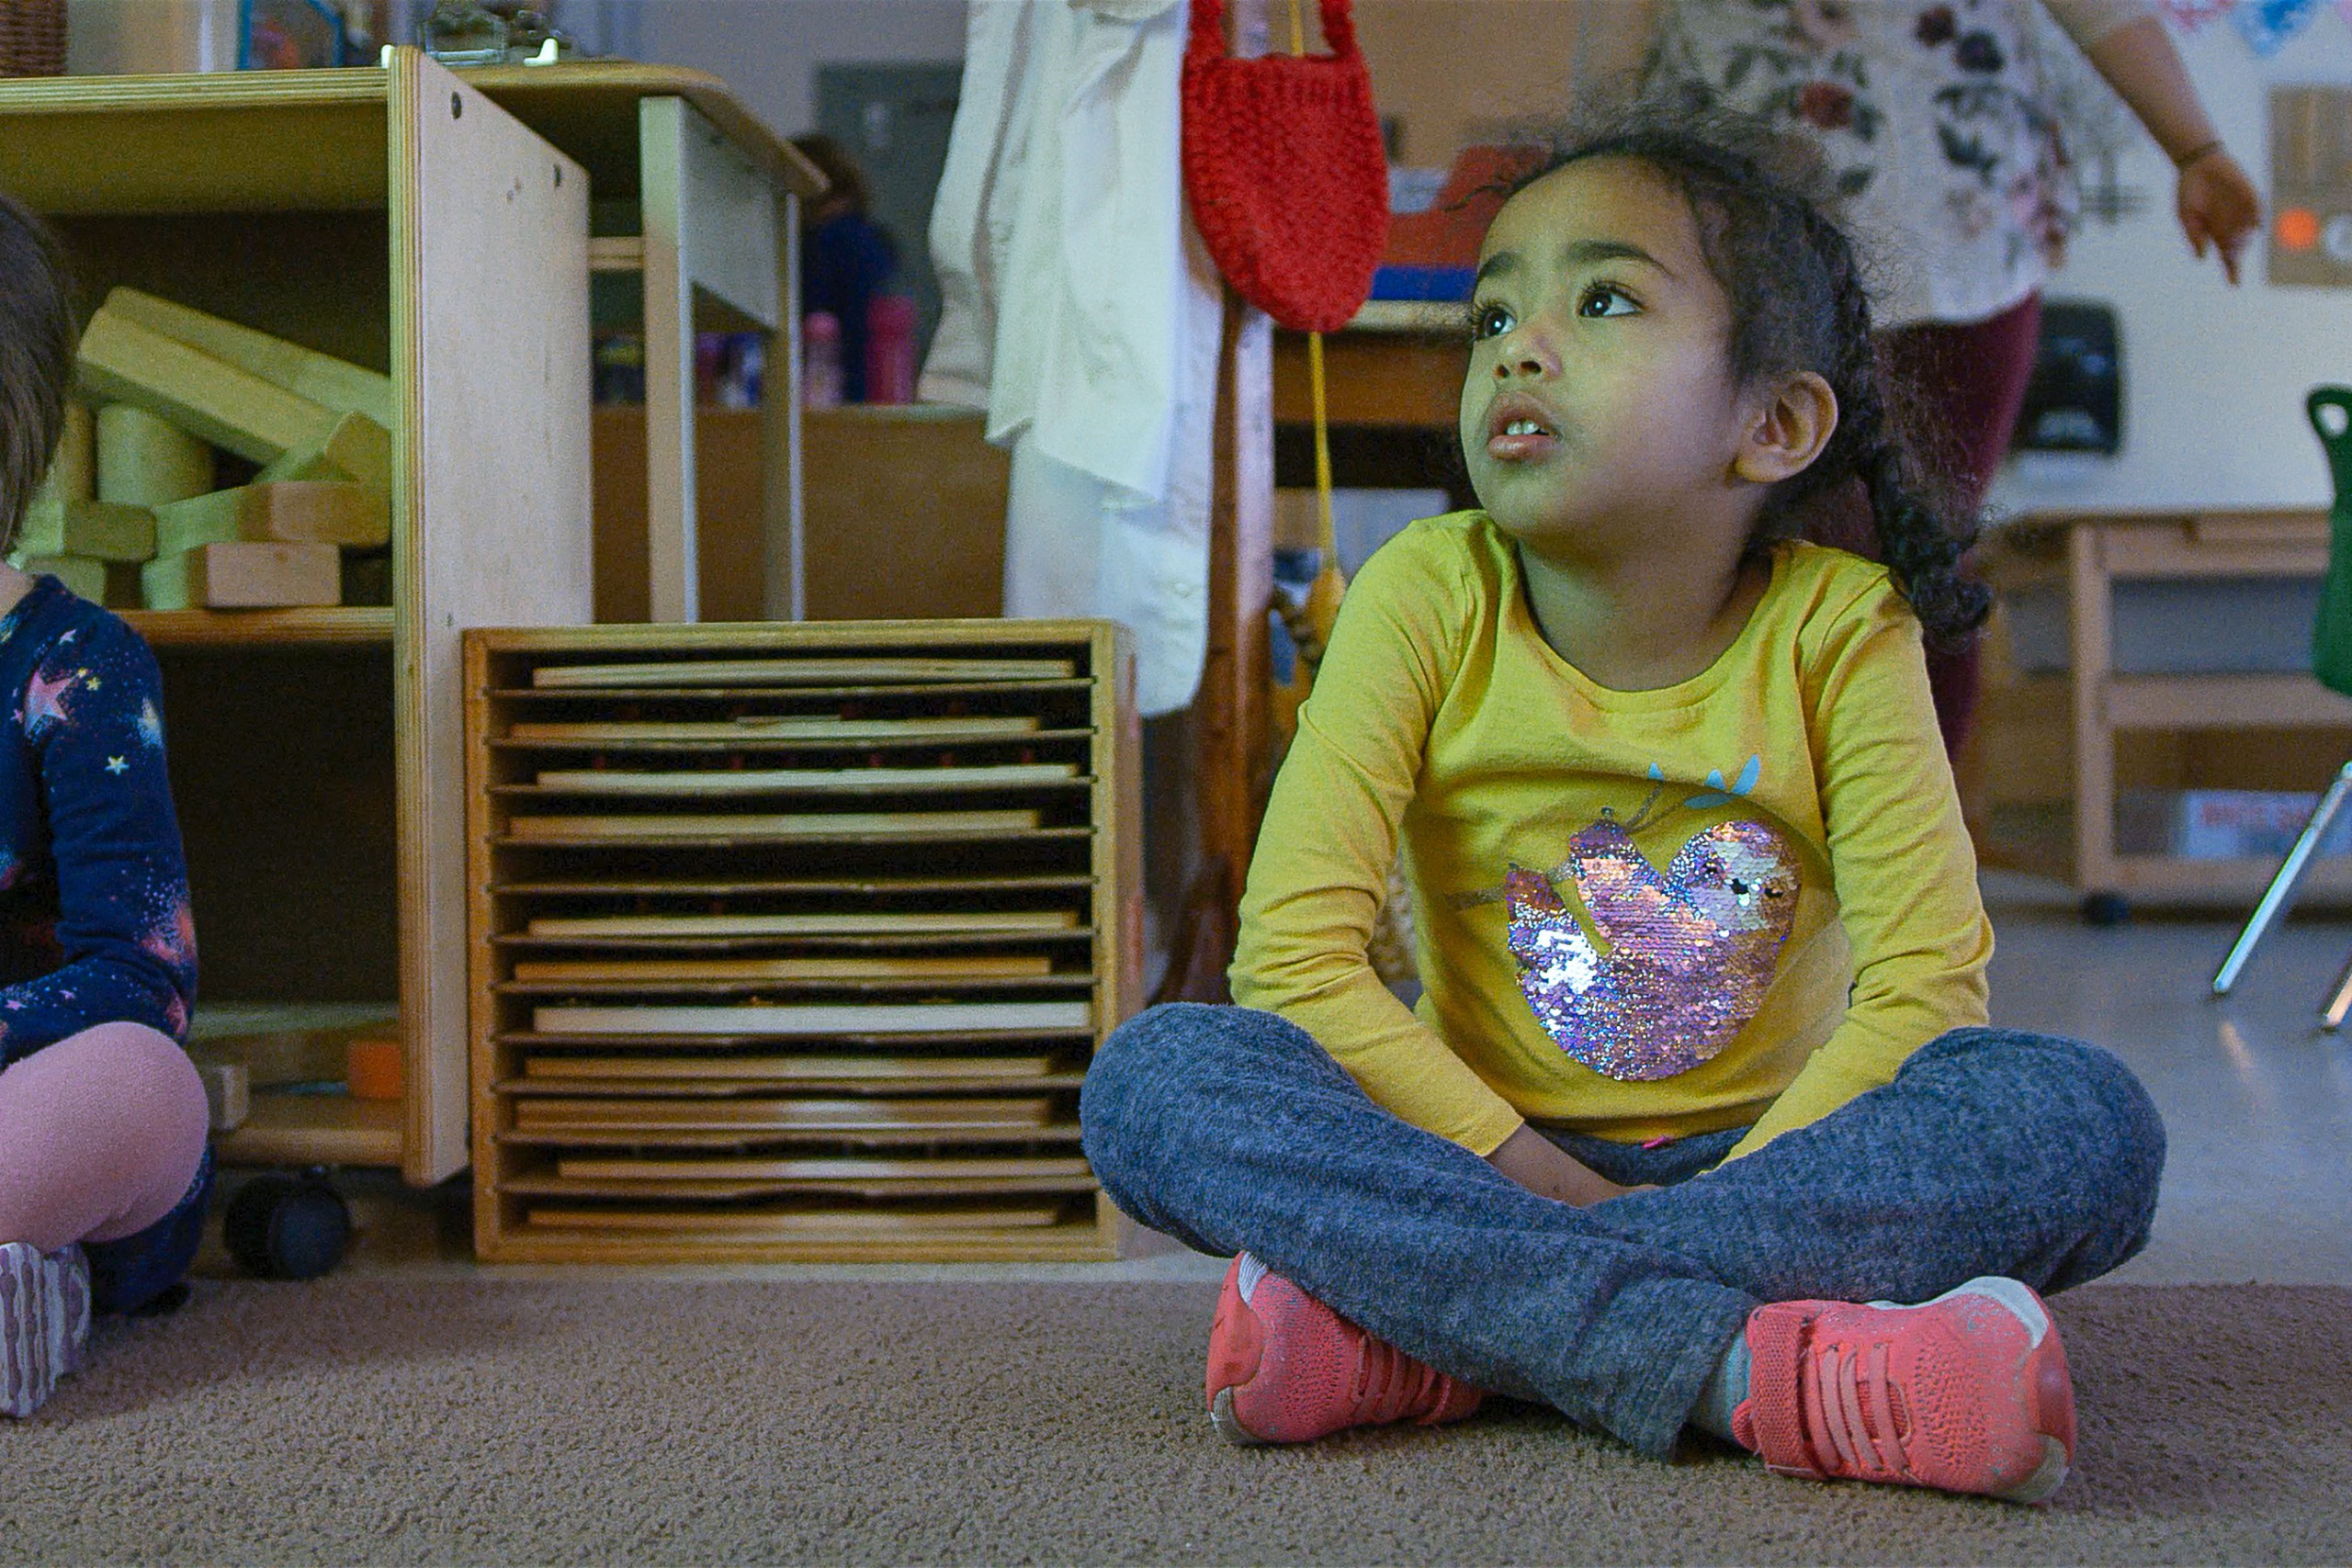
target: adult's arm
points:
(2215, 199)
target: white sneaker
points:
(44, 1322)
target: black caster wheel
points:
(286, 1227)
(2105, 910)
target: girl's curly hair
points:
(1798, 302)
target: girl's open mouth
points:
(1519, 430)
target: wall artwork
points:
(2311, 184)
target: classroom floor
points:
(2258, 1103)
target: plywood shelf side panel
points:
(490, 315)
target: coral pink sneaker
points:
(1283, 1368)
(1967, 1392)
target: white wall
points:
(106, 38)
(2214, 377)
(768, 50)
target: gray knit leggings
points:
(1993, 1152)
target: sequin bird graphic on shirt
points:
(1685, 955)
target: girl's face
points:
(1599, 410)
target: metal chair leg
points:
(2282, 886)
(2331, 1017)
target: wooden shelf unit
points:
(844, 1013)
(399, 219)
(2098, 706)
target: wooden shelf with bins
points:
(800, 960)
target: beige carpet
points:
(496, 1421)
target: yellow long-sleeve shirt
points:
(1742, 899)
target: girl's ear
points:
(1787, 429)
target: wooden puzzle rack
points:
(794, 942)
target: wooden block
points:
(798, 1070)
(782, 728)
(922, 1018)
(354, 448)
(820, 1169)
(324, 379)
(797, 672)
(976, 966)
(114, 584)
(748, 828)
(95, 530)
(374, 1069)
(243, 575)
(791, 781)
(789, 1224)
(887, 922)
(864, 1114)
(72, 472)
(288, 512)
(143, 459)
(228, 1094)
(127, 362)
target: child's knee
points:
(133, 1092)
(1159, 1074)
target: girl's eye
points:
(1605, 299)
(1489, 320)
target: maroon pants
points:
(1963, 386)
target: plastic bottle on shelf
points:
(890, 349)
(820, 360)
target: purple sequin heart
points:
(1688, 955)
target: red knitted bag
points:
(1285, 170)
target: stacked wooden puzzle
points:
(132, 514)
(796, 940)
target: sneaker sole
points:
(44, 1315)
(2046, 1479)
(1228, 1426)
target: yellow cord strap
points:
(1328, 536)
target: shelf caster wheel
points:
(286, 1227)
(2105, 909)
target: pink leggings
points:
(100, 1135)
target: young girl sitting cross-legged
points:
(104, 1171)
(1700, 1085)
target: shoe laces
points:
(1850, 1406)
(1391, 1385)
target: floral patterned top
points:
(94, 906)
(1933, 116)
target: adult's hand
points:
(2218, 206)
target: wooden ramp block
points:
(143, 459)
(95, 530)
(324, 379)
(354, 448)
(114, 584)
(72, 471)
(244, 576)
(124, 361)
(289, 511)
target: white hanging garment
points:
(1080, 310)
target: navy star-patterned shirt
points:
(95, 925)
